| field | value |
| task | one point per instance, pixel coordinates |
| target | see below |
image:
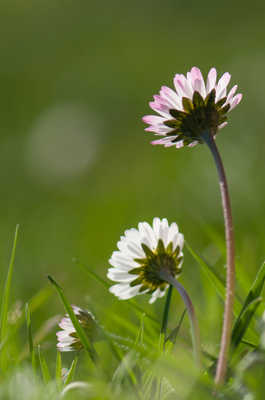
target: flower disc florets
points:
(192, 109)
(142, 254)
(68, 339)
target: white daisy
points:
(142, 253)
(68, 339)
(192, 108)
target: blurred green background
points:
(77, 168)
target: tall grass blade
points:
(249, 307)
(30, 339)
(173, 335)
(71, 373)
(213, 277)
(79, 329)
(243, 322)
(6, 291)
(44, 367)
(58, 372)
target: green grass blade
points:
(249, 307)
(173, 335)
(44, 367)
(213, 277)
(30, 339)
(79, 329)
(71, 373)
(6, 291)
(58, 372)
(243, 322)
(256, 288)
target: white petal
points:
(163, 231)
(124, 263)
(124, 291)
(146, 231)
(119, 276)
(172, 231)
(156, 227)
(157, 293)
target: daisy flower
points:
(193, 108)
(68, 339)
(142, 254)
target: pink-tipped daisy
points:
(142, 254)
(193, 108)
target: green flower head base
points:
(68, 339)
(143, 253)
(192, 109)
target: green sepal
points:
(224, 110)
(220, 102)
(169, 248)
(210, 98)
(177, 114)
(180, 137)
(176, 252)
(160, 247)
(222, 119)
(187, 104)
(136, 282)
(174, 133)
(172, 123)
(135, 271)
(143, 288)
(147, 251)
(197, 100)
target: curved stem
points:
(164, 274)
(230, 255)
(166, 311)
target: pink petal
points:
(153, 119)
(183, 87)
(170, 95)
(197, 81)
(211, 80)
(222, 125)
(192, 144)
(160, 109)
(161, 129)
(222, 85)
(231, 94)
(236, 100)
(179, 144)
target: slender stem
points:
(230, 255)
(164, 274)
(166, 311)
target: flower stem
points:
(230, 254)
(166, 311)
(164, 274)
